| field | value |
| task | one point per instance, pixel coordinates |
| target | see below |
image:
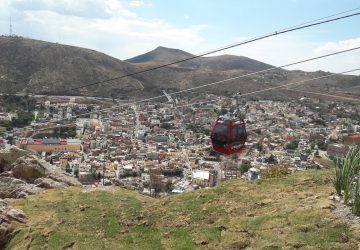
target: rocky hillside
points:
(281, 213)
(10, 218)
(29, 175)
(32, 66)
(22, 174)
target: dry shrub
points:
(275, 171)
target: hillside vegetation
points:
(279, 213)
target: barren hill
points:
(33, 66)
(223, 62)
(160, 54)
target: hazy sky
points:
(124, 29)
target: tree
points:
(68, 168)
(71, 132)
(76, 173)
(321, 145)
(271, 159)
(292, 145)
(244, 168)
(166, 125)
(10, 139)
(23, 119)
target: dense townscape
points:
(148, 124)
(159, 148)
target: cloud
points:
(339, 45)
(105, 26)
(108, 26)
(140, 3)
(137, 3)
(289, 48)
(86, 9)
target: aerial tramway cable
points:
(275, 33)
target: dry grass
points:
(278, 213)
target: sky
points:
(126, 28)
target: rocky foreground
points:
(9, 217)
(26, 176)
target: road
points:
(68, 97)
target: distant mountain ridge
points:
(33, 66)
(223, 62)
(160, 54)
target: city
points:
(150, 124)
(164, 147)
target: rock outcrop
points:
(8, 217)
(48, 183)
(8, 156)
(29, 175)
(14, 188)
(30, 168)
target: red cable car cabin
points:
(228, 135)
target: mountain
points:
(33, 66)
(288, 212)
(160, 54)
(223, 62)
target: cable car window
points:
(220, 134)
(241, 131)
(235, 136)
(241, 134)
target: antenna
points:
(10, 27)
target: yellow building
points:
(50, 145)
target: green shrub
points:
(346, 169)
(244, 168)
(292, 145)
(356, 205)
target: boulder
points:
(30, 168)
(15, 188)
(107, 182)
(48, 183)
(8, 156)
(8, 217)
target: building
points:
(352, 139)
(50, 145)
(204, 178)
(337, 150)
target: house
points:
(352, 139)
(49, 145)
(204, 178)
(337, 150)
